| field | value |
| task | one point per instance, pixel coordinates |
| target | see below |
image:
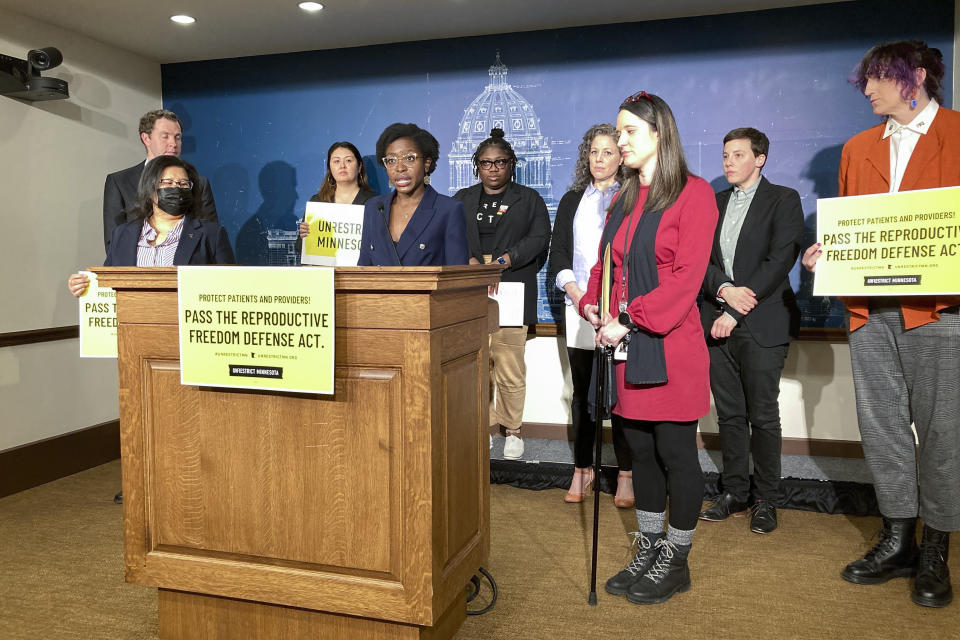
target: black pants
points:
(665, 456)
(584, 428)
(745, 381)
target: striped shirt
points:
(160, 254)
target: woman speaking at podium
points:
(170, 229)
(413, 225)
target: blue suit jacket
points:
(435, 235)
(201, 242)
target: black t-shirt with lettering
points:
(488, 215)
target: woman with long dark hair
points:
(345, 181)
(507, 224)
(659, 235)
(170, 228)
(573, 250)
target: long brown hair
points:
(670, 175)
(328, 189)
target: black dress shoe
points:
(932, 586)
(725, 506)
(646, 554)
(669, 574)
(764, 517)
(894, 556)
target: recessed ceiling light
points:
(310, 6)
(182, 19)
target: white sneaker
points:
(513, 448)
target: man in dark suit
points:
(161, 135)
(749, 315)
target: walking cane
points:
(602, 369)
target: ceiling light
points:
(310, 6)
(182, 19)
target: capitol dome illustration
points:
(500, 106)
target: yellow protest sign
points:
(904, 243)
(257, 328)
(98, 320)
(334, 236)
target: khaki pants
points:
(508, 374)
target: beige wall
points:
(816, 390)
(53, 160)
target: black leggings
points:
(584, 428)
(665, 455)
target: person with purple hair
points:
(905, 351)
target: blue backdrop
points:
(259, 127)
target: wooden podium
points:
(276, 515)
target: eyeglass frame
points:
(408, 160)
(499, 163)
(180, 184)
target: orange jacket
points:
(865, 168)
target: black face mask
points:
(174, 200)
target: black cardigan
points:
(523, 233)
(561, 244)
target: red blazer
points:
(865, 169)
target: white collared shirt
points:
(903, 140)
(587, 229)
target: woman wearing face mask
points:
(507, 224)
(413, 225)
(169, 229)
(573, 250)
(659, 235)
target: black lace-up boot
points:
(894, 555)
(669, 574)
(932, 586)
(646, 553)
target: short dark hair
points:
(759, 143)
(143, 208)
(899, 61)
(422, 139)
(150, 118)
(497, 140)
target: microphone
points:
(389, 237)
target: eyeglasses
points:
(170, 182)
(499, 163)
(393, 161)
(638, 96)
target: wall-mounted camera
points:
(21, 78)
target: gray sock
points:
(650, 521)
(680, 537)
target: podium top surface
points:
(372, 279)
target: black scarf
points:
(646, 362)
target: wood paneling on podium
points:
(275, 515)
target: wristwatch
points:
(624, 319)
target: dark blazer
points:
(434, 236)
(767, 249)
(523, 233)
(561, 242)
(361, 198)
(201, 242)
(120, 195)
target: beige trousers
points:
(508, 376)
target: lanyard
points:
(623, 266)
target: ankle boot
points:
(894, 555)
(646, 553)
(667, 575)
(932, 586)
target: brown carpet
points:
(61, 575)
